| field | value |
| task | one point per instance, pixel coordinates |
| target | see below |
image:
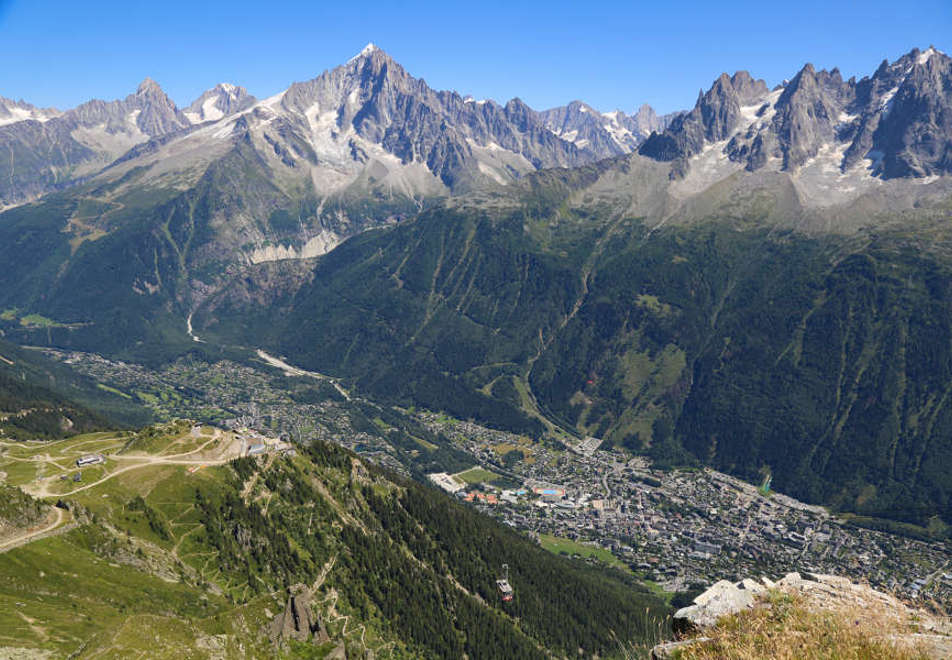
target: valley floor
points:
(681, 529)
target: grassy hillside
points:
(173, 557)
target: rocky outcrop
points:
(672, 650)
(298, 621)
(819, 592)
(721, 599)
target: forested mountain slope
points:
(730, 340)
(203, 560)
(40, 398)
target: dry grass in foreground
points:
(784, 627)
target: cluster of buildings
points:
(688, 528)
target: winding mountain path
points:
(33, 534)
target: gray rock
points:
(63, 149)
(221, 101)
(721, 599)
(298, 621)
(715, 117)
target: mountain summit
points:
(895, 123)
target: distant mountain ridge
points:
(606, 132)
(895, 123)
(443, 142)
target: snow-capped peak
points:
(222, 100)
(369, 49)
(927, 53)
(12, 112)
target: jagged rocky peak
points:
(222, 100)
(748, 89)
(370, 104)
(606, 133)
(715, 117)
(157, 113)
(367, 50)
(148, 111)
(805, 119)
(648, 121)
(896, 123)
(148, 87)
(914, 134)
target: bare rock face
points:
(805, 119)
(298, 621)
(672, 650)
(721, 599)
(915, 135)
(220, 101)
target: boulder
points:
(721, 599)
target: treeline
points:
(36, 413)
(418, 564)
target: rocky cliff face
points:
(298, 621)
(896, 123)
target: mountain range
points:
(366, 124)
(895, 123)
(761, 283)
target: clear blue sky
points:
(610, 54)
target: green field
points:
(559, 545)
(476, 475)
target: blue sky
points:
(610, 54)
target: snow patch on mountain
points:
(12, 112)
(369, 49)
